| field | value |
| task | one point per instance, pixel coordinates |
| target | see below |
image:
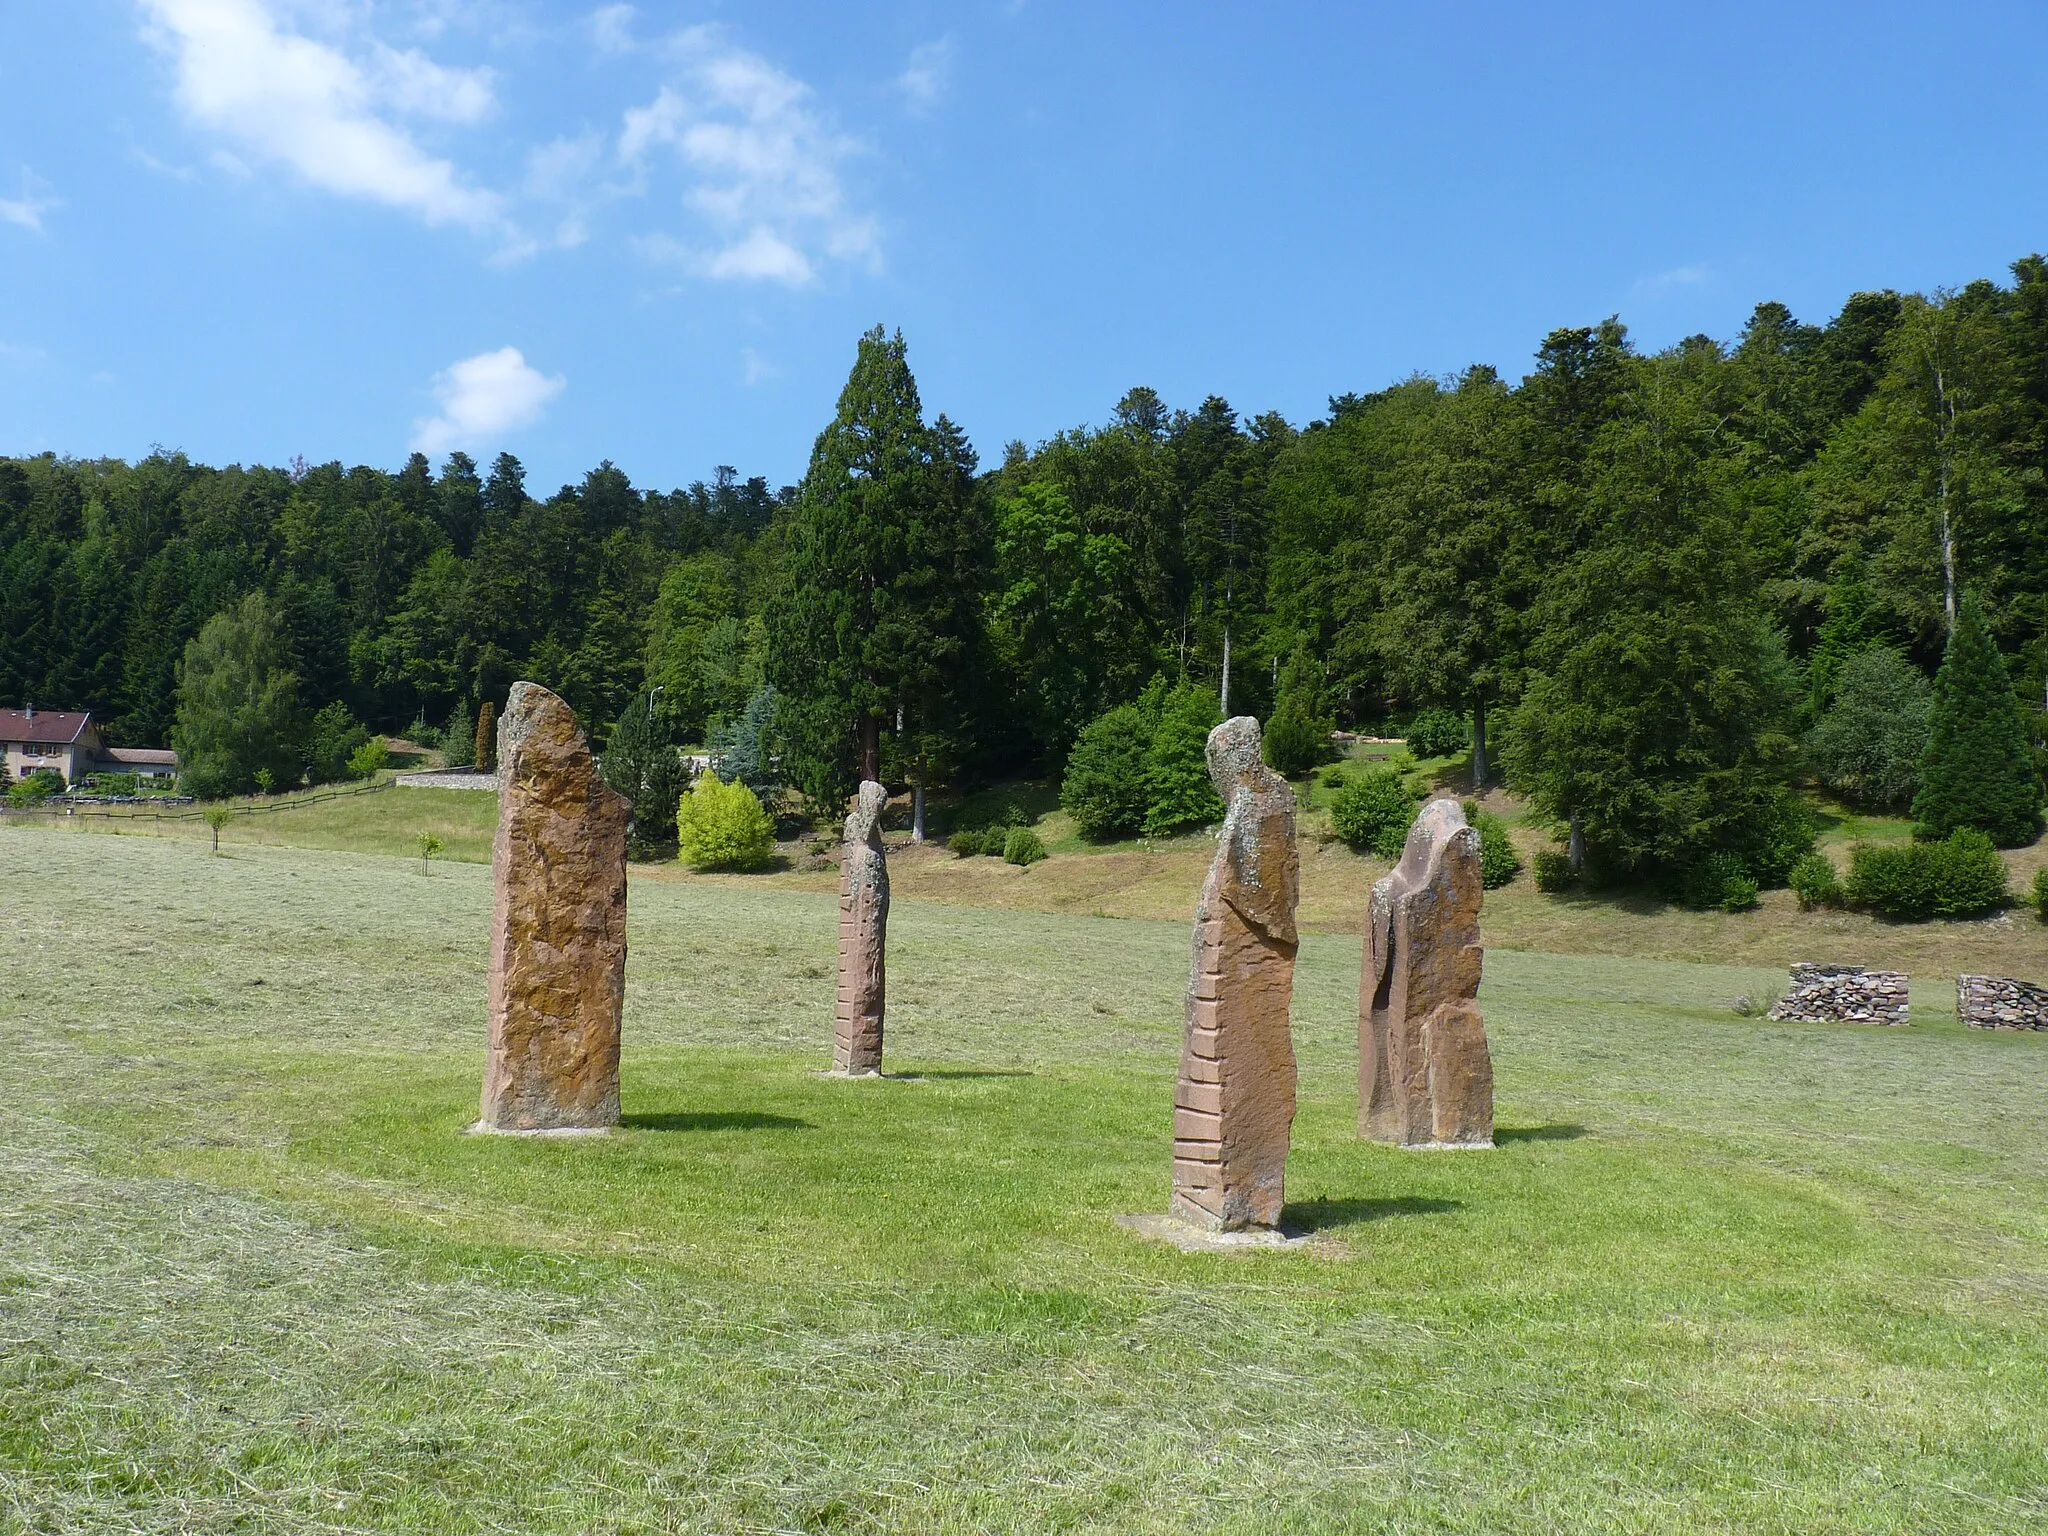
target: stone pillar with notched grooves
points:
(1234, 1105)
(863, 938)
(1425, 1077)
(558, 926)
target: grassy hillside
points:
(1721, 1275)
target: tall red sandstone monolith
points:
(1425, 1078)
(863, 938)
(558, 926)
(1234, 1106)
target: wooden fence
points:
(130, 811)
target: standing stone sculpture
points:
(1234, 1105)
(1425, 1078)
(863, 938)
(558, 927)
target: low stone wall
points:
(446, 778)
(1999, 1002)
(1844, 994)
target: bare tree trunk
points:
(1945, 427)
(917, 803)
(1224, 698)
(871, 747)
(1575, 846)
(1478, 742)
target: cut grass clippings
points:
(1721, 1275)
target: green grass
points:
(1721, 1275)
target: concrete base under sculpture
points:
(1425, 1074)
(558, 928)
(1233, 1111)
(863, 940)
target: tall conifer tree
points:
(1978, 771)
(871, 610)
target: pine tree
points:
(1978, 771)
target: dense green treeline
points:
(1640, 576)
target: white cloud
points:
(611, 28)
(284, 97)
(928, 74)
(756, 369)
(27, 210)
(764, 166)
(1689, 276)
(484, 397)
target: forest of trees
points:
(1641, 576)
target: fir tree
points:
(1177, 788)
(871, 612)
(1978, 771)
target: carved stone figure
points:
(1425, 1078)
(863, 938)
(558, 926)
(1234, 1104)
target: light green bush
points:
(1373, 813)
(723, 826)
(369, 759)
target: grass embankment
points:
(1157, 880)
(1720, 1276)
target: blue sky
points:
(254, 229)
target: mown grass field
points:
(1155, 881)
(1721, 1275)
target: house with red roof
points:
(68, 742)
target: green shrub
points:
(1554, 872)
(335, 737)
(36, 788)
(723, 826)
(366, 761)
(1294, 741)
(1104, 787)
(966, 844)
(1815, 883)
(2041, 894)
(1960, 877)
(1374, 813)
(1438, 733)
(1297, 736)
(1178, 793)
(1498, 861)
(1022, 847)
(1334, 779)
(1717, 880)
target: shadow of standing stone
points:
(1233, 1110)
(863, 939)
(1425, 1076)
(558, 928)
